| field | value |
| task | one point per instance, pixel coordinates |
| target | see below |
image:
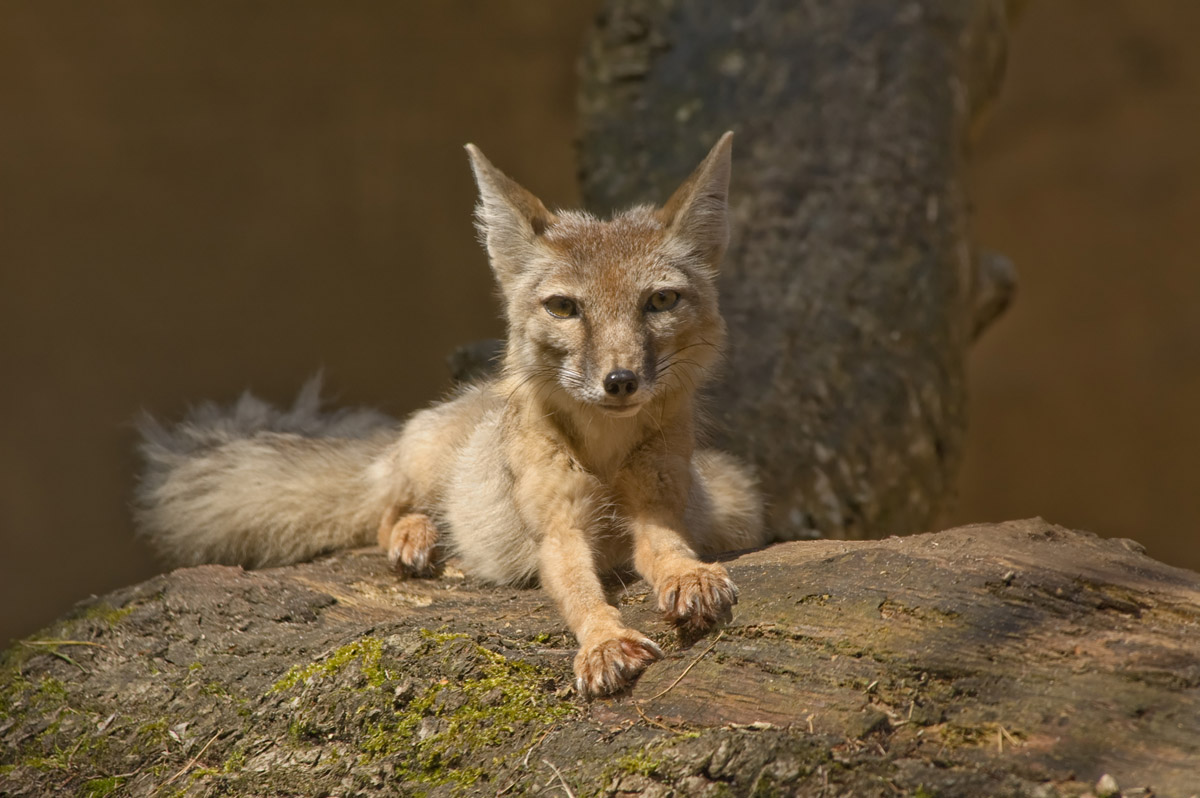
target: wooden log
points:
(851, 287)
(1012, 659)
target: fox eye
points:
(662, 300)
(560, 307)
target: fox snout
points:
(620, 383)
(621, 389)
(623, 372)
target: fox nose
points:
(621, 382)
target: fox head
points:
(615, 313)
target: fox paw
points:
(411, 545)
(698, 599)
(612, 664)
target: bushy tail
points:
(256, 486)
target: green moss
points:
(88, 747)
(236, 761)
(430, 736)
(58, 759)
(497, 704)
(14, 683)
(641, 762)
(153, 732)
(427, 732)
(51, 691)
(367, 651)
(441, 638)
(215, 689)
(99, 788)
(300, 730)
(105, 614)
(47, 698)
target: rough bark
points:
(851, 288)
(1016, 659)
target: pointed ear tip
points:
(480, 165)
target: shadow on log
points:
(1014, 659)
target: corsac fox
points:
(578, 459)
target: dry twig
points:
(192, 762)
(679, 678)
(565, 786)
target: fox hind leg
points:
(725, 508)
(410, 541)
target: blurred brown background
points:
(198, 198)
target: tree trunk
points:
(851, 288)
(1015, 659)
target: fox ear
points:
(508, 217)
(698, 211)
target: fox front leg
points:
(611, 655)
(693, 595)
(561, 504)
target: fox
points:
(577, 460)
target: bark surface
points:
(851, 288)
(1015, 659)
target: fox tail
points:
(257, 486)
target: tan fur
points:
(554, 472)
